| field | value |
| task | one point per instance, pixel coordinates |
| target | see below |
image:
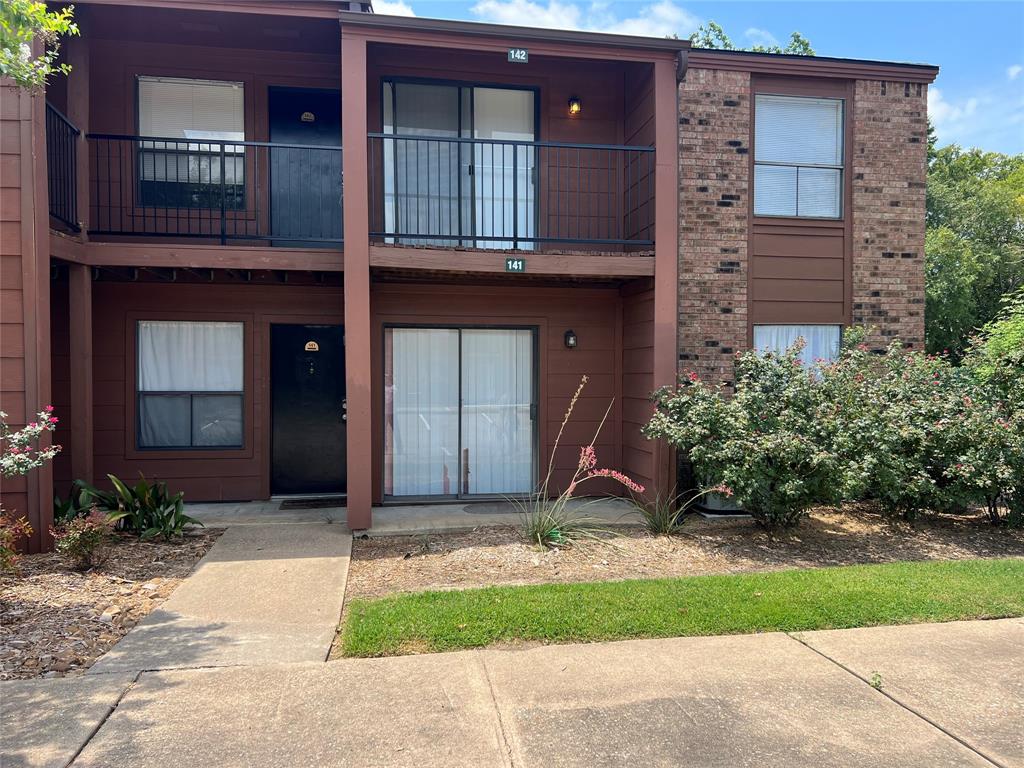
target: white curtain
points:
(822, 340)
(793, 131)
(422, 411)
(190, 357)
(173, 108)
(497, 397)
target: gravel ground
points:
(382, 566)
(55, 621)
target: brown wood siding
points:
(591, 312)
(801, 269)
(638, 460)
(202, 475)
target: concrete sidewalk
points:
(951, 695)
(263, 594)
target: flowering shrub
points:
(912, 431)
(83, 540)
(762, 445)
(20, 451)
(11, 533)
(550, 521)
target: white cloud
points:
(658, 19)
(393, 8)
(761, 37)
(1013, 71)
(946, 114)
(988, 118)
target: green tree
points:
(711, 35)
(974, 247)
(21, 23)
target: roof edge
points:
(811, 66)
(480, 29)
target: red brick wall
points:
(890, 148)
(714, 144)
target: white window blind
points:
(822, 341)
(798, 156)
(190, 384)
(176, 108)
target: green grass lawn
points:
(826, 598)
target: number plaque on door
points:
(515, 264)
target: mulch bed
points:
(55, 621)
(486, 556)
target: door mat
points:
(324, 503)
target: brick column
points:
(714, 187)
(889, 168)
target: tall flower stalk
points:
(551, 521)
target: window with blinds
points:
(798, 156)
(195, 164)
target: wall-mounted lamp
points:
(570, 339)
(575, 106)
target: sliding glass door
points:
(460, 169)
(459, 411)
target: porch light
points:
(575, 105)
(570, 339)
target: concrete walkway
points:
(950, 695)
(404, 519)
(263, 594)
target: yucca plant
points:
(557, 521)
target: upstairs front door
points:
(305, 169)
(307, 392)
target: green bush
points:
(12, 531)
(149, 510)
(912, 431)
(83, 540)
(763, 444)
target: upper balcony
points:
(171, 131)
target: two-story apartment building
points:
(294, 247)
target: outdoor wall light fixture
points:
(570, 339)
(575, 106)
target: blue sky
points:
(978, 99)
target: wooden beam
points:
(196, 256)
(80, 314)
(464, 262)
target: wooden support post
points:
(666, 248)
(357, 278)
(80, 313)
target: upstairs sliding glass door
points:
(459, 412)
(459, 166)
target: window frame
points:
(830, 93)
(133, 436)
(158, 146)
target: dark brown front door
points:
(308, 408)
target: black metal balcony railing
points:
(223, 190)
(509, 194)
(62, 167)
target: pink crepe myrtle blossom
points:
(694, 377)
(20, 451)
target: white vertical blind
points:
(173, 108)
(497, 398)
(422, 411)
(798, 156)
(822, 340)
(175, 356)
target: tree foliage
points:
(974, 249)
(25, 21)
(711, 35)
